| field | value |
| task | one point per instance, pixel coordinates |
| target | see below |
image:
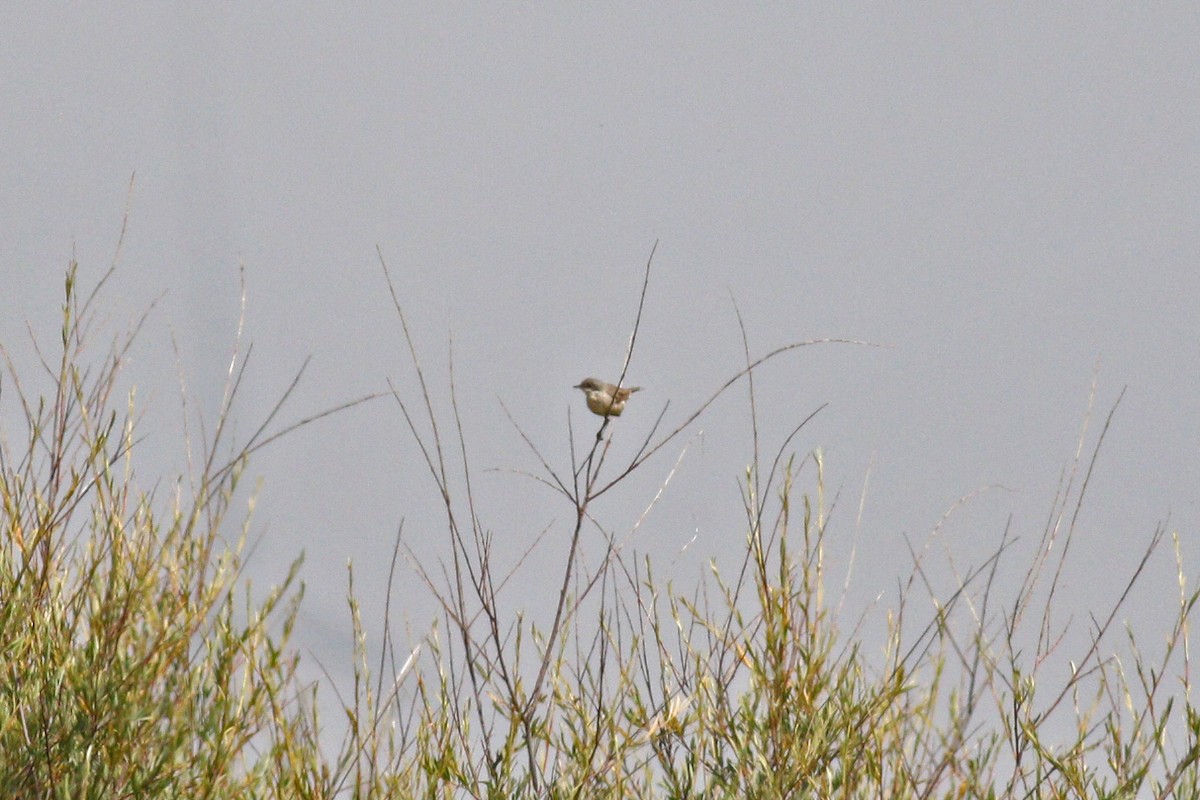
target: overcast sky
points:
(1006, 196)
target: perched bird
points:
(604, 399)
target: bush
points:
(136, 663)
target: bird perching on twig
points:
(605, 399)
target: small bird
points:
(604, 399)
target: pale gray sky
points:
(1006, 196)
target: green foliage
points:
(136, 662)
(131, 665)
